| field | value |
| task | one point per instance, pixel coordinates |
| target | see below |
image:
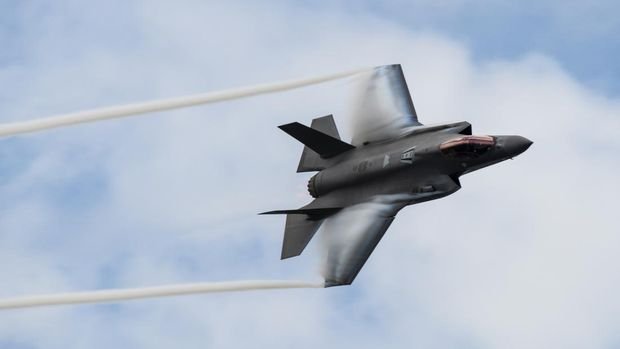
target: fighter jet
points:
(392, 160)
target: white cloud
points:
(522, 256)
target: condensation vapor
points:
(106, 296)
(348, 234)
(380, 106)
(14, 128)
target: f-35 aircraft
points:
(393, 160)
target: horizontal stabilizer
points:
(310, 160)
(313, 213)
(324, 145)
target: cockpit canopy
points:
(467, 147)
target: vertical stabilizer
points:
(297, 234)
(327, 125)
(301, 225)
(321, 141)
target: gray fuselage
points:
(411, 164)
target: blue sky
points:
(581, 36)
(522, 256)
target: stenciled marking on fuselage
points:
(386, 160)
(362, 166)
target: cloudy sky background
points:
(524, 256)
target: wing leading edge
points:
(383, 107)
(352, 235)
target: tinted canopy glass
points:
(467, 146)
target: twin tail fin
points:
(321, 141)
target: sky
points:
(523, 256)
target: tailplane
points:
(321, 141)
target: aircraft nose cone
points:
(517, 144)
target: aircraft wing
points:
(382, 106)
(351, 236)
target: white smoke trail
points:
(15, 128)
(101, 296)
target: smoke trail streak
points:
(35, 125)
(151, 292)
